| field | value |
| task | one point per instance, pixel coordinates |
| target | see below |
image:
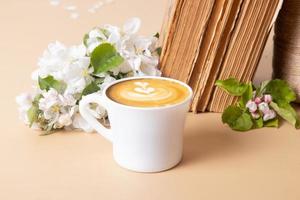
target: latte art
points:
(142, 87)
(148, 92)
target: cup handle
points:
(86, 114)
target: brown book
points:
(208, 40)
(212, 51)
(186, 24)
(245, 49)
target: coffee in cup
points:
(148, 92)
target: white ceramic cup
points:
(144, 139)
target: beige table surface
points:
(218, 163)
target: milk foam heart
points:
(144, 90)
(148, 92)
(141, 84)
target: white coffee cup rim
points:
(188, 98)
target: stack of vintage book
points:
(206, 40)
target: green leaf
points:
(262, 88)
(105, 57)
(230, 114)
(37, 99)
(91, 88)
(243, 123)
(280, 91)
(287, 112)
(158, 50)
(33, 114)
(48, 130)
(258, 123)
(247, 95)
(120, 75)
(50, 82)
(237, 119)
(99, 80)
(232, 86)
(272, 123)
(156, 35)
(85, 38)
(105, 32)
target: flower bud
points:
(263, 107)
(251, 105)
(268, 98)
(65, 120)
(257, 100)
(270, 114)
(255, 115)
(253, 94)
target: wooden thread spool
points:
(286, 58)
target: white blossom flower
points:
(97, 33)
(98, 112)
(107, 80)
(131, 26)
(57, 109)
(67, 100)
(95, 37)
(92, 44)
(70, 65)
(148, 70)
(51, 63)
(125, 67)
(137, 51)
(268, 115)
(251, 105)
(24, 101)
(80, 123)
(138, 55)
(65, 120)
(49, 99)
(107, 34)
(101, 112)
(114, 34)
(77, 76)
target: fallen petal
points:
(74, 15)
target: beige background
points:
(218, 163)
